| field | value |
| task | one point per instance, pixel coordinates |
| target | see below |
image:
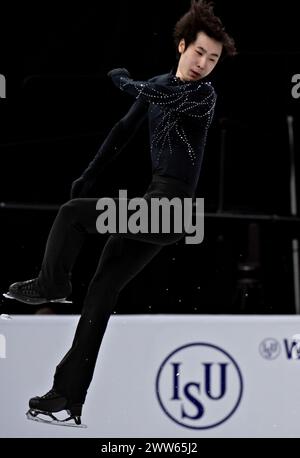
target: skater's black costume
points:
(179, 115)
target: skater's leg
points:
(75, 219)
(121, 260)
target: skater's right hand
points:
(81, 188)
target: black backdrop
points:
(60, 105)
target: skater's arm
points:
(116, 140)
(195, 99)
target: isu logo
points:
(199, 386)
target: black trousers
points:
(122, 258)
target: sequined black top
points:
(179, 115)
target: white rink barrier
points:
(170, 376)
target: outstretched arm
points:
(196, 98)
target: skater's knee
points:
(70, 209)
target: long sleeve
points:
(180, 114)
(117, 139)
(195, 99)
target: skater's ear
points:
(181, 46)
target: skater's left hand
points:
(118, 72)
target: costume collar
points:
(174, 79)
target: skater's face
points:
(199, 58)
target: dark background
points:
(60, 105)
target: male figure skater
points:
(179, 107)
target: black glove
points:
(81, 187)
(118, 72)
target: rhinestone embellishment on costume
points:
(180, 101)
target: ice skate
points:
(29, 292)
(42, 409)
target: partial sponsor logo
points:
(292, 347)
(269, 348)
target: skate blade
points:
(63, 300)
(52, 422)
(7, 295)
